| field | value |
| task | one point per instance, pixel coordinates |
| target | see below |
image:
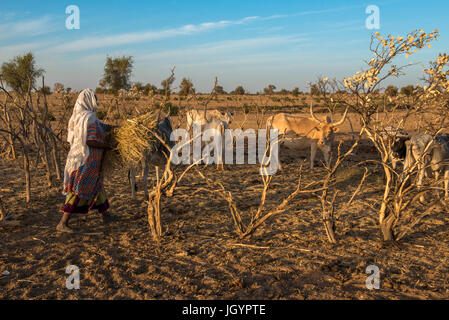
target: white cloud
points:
(223, 48)
(138, 37)
(33, 27)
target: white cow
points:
(198, 116)
(216, 127)
(431, 155)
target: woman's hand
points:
(110, 127)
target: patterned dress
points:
(85, 188)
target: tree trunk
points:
(10, 137)
(385, 200)
(46, 160)
(26, 168)
(386, 227)
(329, 226)
(154, 216)
(327, 213)
(55, 156)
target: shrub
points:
(171, 109)
(408, 90)
(239, 90)
(391, 91)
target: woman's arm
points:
(109, 127)
(95, 144)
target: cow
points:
(156, 158)
(429, 153)
(217, 127)
(199, 116)
(397, 139)
(320, 133)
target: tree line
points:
(22, 71)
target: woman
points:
(83, 182)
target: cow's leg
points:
(327, 155)
(437, 175)
(276, 156)
(421, 172)
(132, 181)
(394, 163)
(313, 148)
(220, 165)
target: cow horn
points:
(343, 119)
(313, 115)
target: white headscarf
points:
(83, 116)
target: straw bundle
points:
(111, 159)
(137, 136)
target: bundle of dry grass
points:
(135, 137)
(111, 159)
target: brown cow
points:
(321, 133)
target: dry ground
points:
(200, 256)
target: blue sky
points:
(251, 43)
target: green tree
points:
(99, 90)
(117, 74)
(314, 90)
(45, 90)
(138, 86)
(186, 87)
(219, 90)
(270, 89)
(408, 90)
(391, 91)
(149, 88)
(21, 72)
(239, 90)
(295, 92)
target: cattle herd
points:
(429, 152)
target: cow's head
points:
(399, 148)
(397, 138)
(165, 130)
(325, 129)
(227, 116)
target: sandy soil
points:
(200, 256)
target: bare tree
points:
(364, 100)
